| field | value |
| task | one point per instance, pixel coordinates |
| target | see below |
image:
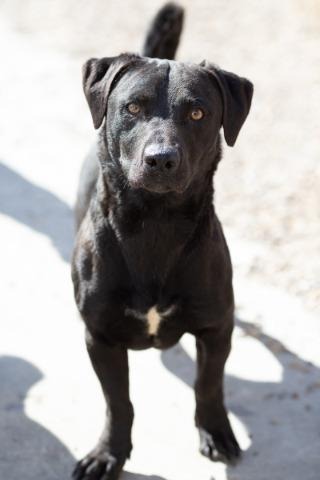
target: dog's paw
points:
(98, 466)
(219, 445)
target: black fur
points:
(148, 235)
(163, 37)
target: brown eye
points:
(197, 114)
(133, 108)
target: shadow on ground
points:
(28, 450)
(37, 208)
(282, 419)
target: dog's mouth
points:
(157, 182)
(156, 185)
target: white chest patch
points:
(153, 317)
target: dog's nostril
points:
(168, 165)
(151, 162)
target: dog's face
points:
(163, 117)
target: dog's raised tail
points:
(164, 33)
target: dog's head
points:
(163, 117)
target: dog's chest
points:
(152, 248)
(152, 318)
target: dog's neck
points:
(162, 225)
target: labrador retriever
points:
(150, 261)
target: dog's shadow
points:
(28, 450)
(37, 208)
(280, 417)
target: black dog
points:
(151, 262)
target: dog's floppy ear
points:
(98, 78)
(236, 95)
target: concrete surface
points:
(268, 198)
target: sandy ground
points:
(268, 197)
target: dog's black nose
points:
(162, 159)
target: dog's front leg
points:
(216, 436)
(106, 460)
